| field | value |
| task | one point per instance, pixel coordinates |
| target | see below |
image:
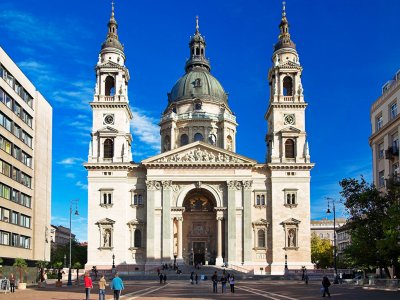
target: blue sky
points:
(348, 50)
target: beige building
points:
(325, 230)
(61, 235)
(199, 201)
(384, 139)
(25, 166)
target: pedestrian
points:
(11, 278)
(223, 283)
(158, 271)
(306, 278)
(165, 278)
(326, 284)
(117, 285)
(161, 277)
(214, 280)
(102, 287)
(340, 277)
(196, 278)
(88, 284)
(191, 277)
(232, 283)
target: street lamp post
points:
(113, 265)
(71, 203)
(328, 211)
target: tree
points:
(21, 266)
(41, 264)
(77, 266)
(373, 223)
(321, 251)
(79, 252)
(58, 265)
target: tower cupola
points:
(284, 36)
(112, 40)
(197, 47)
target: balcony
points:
(288, 98)
(391, 152)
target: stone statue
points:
(300, 90)
(106, 238)
(276, 61)
(291, 239)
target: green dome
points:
(198, 83)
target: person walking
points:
(223, 283)
(306, 278)
(191, 277)
(11, 278)
(165, 278)
(117, 285)
(102, 287)
(196, 278)
(88, 284)
(161, 277)
(214, 280)
(232, 283)
(326, 284)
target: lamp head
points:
(328, 211)
(76, 213)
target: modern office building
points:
(25, 166)
(61, 235)
(384, 139)
(199, 201)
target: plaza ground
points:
(182, 289)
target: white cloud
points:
(70, 175)
(145, 128)
(81, 185)
(70, 161)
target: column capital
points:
(167, 184)
(234, 185)
(220, 218)
(153, 185)
(247, 184)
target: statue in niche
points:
(291, 238)
(106, 238)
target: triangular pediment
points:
(290, 129)
(291, 221)
(105, 221)
(201, 154)
(135, 222)
(110, 64)
(261, 222)
(107, 129)
(290, 65)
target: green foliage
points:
(41, 264)
(22, 267)
(78, 253)
(321, 251)
(374, 224)
(58, 265)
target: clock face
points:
(289, 119)
(109, 119)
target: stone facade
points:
(199, 201)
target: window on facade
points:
(289, 148)
(198, 137)
(14, 217)
(15, 196)
(26, 180)
(260, 200)
(17, 153)
(14, 240)
(380, 151)
(25, 221)
(137, 239)
(24, 242)
(5, 145)
(393, 111)
(108, 148)
(17, 131)
(5, 191)
(184, 139)
(395, 168)
(4, 238)
(107, 198)
(395, 143)
(17, 109)
(16, 174)
(261, 238)
(110, 86)
(137, 199)
(287, 86)
(27, 139)
(381, 179)
(26, 200)
(5, 122)
(5, 168)
(5, 215)
(379, 122)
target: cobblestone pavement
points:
(276, 290)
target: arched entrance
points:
(199, 227)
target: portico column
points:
(247, 251)
(166, 220)
(219, 247)
(152, 186)
(180, 221)
(233, 186)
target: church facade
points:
(199, 201)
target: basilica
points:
(199, 201)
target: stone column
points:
(166, 220)
(247, 249)
(152, 186)
(219, 245)
(180, 244)
(232, 187)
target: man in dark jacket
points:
(326, 284)
(214, 280)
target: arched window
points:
(137, 239)
(289, 148)
(184, 139)
(202, 51)
(262, 200)
(108, 148)
(197, 106)
(258, 200)
(198, 137)
(197, 51)
(110, 86)
(293, 198)
(261, 238)
(287, 86)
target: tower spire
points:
(112, 40)
(197, 25)
(284, 35)
(197, 47)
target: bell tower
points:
(288, 158)
(111, 137)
